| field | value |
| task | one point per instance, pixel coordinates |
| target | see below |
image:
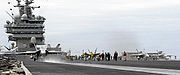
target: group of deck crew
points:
(98, 56)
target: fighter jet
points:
(53, 50)
(157, 55)
(93, 55)
(7, 51)
(140, 55)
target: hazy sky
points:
(108, 24)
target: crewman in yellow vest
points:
(91, 54)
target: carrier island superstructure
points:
(25, 27)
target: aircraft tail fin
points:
(137, 50)
(95, 50)
(7, 48)
(58, 46)
(89, 51)
(48, 46)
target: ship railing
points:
(27, 25)
(27, 30)
(23, 30)
(26, 35)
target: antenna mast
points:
(10, 15)
(26, 9)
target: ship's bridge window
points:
(9, 28)
(35, 22)
(41, 22)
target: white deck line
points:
(27, 72)
(128, 68)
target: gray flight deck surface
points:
(135, 63)
(44, 68)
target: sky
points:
(109, 25)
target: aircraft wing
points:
(96, 54)
(137, 55)
(27, 52)
(7, 52)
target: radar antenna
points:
(26, 9)
(9, 15)
(19, 1)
